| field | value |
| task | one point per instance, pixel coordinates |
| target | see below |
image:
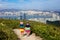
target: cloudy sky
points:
(31, 4)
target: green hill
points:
(47, 32)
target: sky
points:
(31, 4)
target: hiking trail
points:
(31, 37)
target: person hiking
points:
(22, 27)
(27, 28)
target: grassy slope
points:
(48, 32)
(6, 32)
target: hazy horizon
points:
(30, 4)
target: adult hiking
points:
(22, 27)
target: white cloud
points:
(31, 4)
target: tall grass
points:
(47, 32)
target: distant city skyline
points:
(30, 4)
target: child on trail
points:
(27, 28)
(22, 27)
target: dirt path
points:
(31, 37)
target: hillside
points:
(47, 32)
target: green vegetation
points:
(6, 32)
(47, 32)
(55, 23)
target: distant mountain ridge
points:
(9, 10)
(24, 9)
(15, 10)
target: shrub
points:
(48, 32)
(7, 33)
